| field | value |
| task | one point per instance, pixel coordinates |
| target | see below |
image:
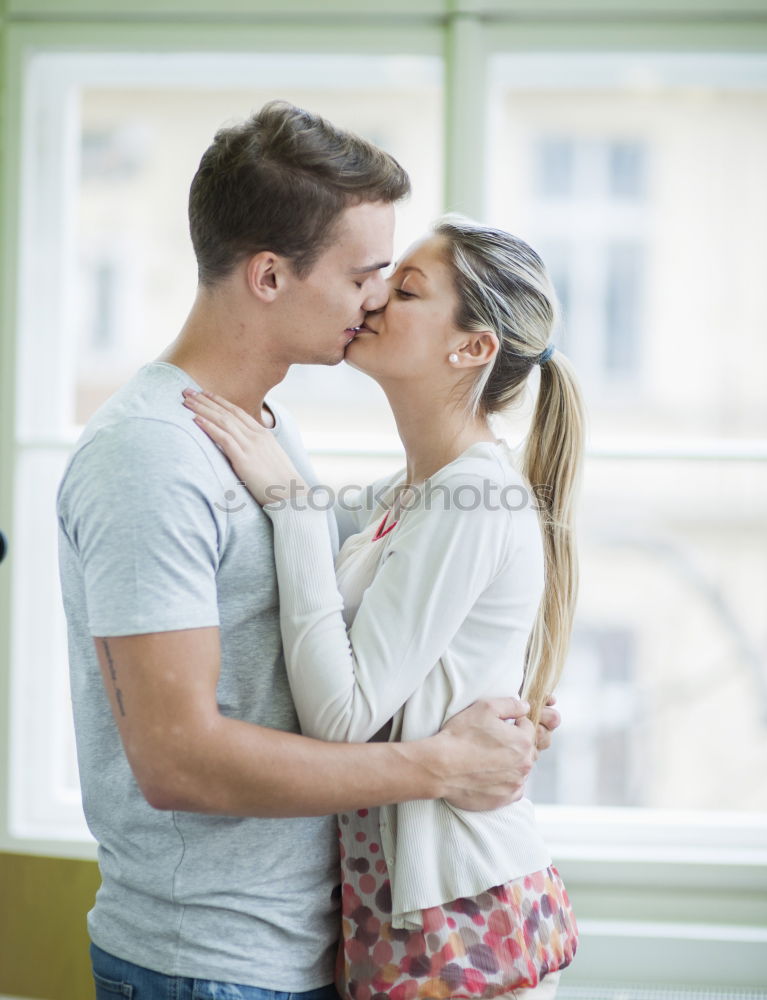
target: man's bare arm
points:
(185, 755)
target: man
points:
(190, 782)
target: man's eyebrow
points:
(370, 267)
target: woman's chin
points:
(354, 357)
(353, 363)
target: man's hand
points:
(550, 719)
(485, 760)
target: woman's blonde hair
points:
(503, 286)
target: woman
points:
(458, 581)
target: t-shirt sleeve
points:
(136, 506)
(346, 687)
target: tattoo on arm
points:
(113, 675)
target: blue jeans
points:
(117, 978)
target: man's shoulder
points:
(153, 396)
(143, 429)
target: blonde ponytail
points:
(502, 285)
(552, 463)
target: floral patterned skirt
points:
(507, 938)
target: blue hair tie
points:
(544, 356)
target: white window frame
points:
(45, 434)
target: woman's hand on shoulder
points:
(254, 453)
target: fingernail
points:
(189, 392)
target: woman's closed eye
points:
(403, 294)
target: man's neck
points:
(218, 353)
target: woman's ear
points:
(478, 348)
(264, 273)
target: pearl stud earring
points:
(452, 358)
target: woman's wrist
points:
(277, 496)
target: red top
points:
(380, 531)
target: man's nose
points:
(377, 294)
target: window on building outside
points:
(639, 179)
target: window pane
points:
(666, 155)
(555, 167)
(627, 169)
(669, 643)
(139, 147)
(623, 306)
(657, 245)
(44, 798)
(112, 144)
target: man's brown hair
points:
(279, 181)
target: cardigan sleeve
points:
(441, 557)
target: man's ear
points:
(265, 274)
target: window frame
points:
(39, 418)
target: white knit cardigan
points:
(438, 618)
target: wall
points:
(43, 940)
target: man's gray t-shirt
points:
(156, 534)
